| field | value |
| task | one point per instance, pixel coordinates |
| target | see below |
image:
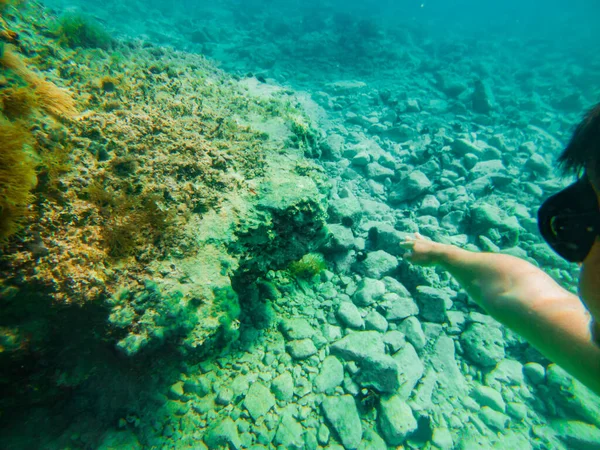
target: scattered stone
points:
(347, 211)
(289, 433)
(411, 327)
(372, 441)
(225, 396)
(258, 401)
(377, 264)
(442, 439)
(330, 376)
(410, 188)
(516, 410)
(359, 345)
(375, 321)
(296, 329)
(486, 396)
(433, 304)
(223, 434)
(483, 344)
(410, 370)
(483, 98)
(577, 435)
(343, 416)
(376, 171)
(397, 308)
(572, 395)
(380, 372)
(396, 420)
(342, 237)
(450, 379)
(283, 387)
(394, 341)
(507, 372)
(301, 349)
(323, 434)
(369, 291)
(350, 316)
(534, 372)
(176, 391)
(493, 419)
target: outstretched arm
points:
(523, 298)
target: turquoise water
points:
(211, 255)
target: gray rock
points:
(396, 420)
(369, 291)
(361, 159)
(349, 315)
(410, 188)
(359, 345)
(397, 308)
(483, 344)
(342, 414)
(483, 98)
(323, 434)
(485, 217)
(377, 264)
(534, 372)
(507, 372)
(289, 433)
(572, 395)
(332, 147)
(296, 329)
(429, 206)
(450, 379)
(383, 236)
(283, 387)
(342, 237)
(442, 439)
(494, 419)
(258, 401)
(225, 396)
(372, 441)
(377, 172)
(486, 396)
(410, 370)
(394, 340)
(346, 210)
(577, 435)
(223, 434)
(330, 376)
(411, 327)
(375, 321)
(462, 147)
(301, 349)
(517, 410)
(433, 304)
(380, 372)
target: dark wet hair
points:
(583, 152)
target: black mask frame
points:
(569, 221)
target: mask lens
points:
(570, 221)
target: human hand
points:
(423, 251)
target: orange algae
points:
(51, 99)
(17, 176)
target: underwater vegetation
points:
(308, 266)
(23, 93)
(76, 30)
(17, 176)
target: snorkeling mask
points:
(569, 221)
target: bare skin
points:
(528, 301)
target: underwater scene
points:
(244, 224)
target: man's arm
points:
(523, 298)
